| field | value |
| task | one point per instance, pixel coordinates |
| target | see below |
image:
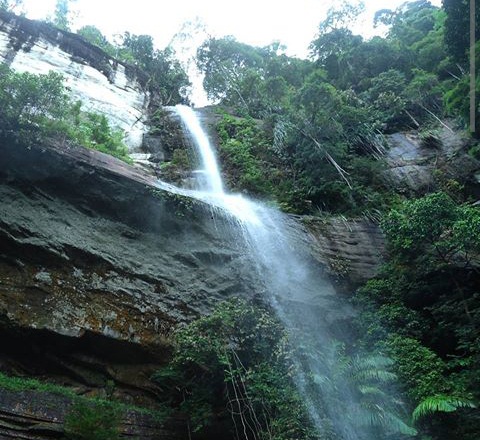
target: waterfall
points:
(213, 180)
(296, 289)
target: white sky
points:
(257, 22)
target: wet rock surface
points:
(418, 165)
(351, 250)
(35, 415)
(98, 266)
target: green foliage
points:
(238, 139)
(61, 15)
(168, 81)
(19, 384)
(456, 97)
(93, 35)
(36, 107)
(15, 383)
(371, 376)
(386, 94)
(93, 130)
(475, 152)
(234, 362)
(434, 229)
(418, 367)
(87, 421)
(423, 309)
(440, 403)
(225, 63)
(29, 101)
(457, 22)
(253, 166)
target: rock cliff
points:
(419, 165)
(98, 265)
(102, 83)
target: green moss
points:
(87, 421)
(14, 383)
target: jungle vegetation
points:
(309, 136)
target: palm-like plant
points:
(361, 388)
(440, 403)
(377, 408)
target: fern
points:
(374, 415)
(372, 368)
(370, 390)
(440, 403)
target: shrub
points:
(87, 421)
(234, 363)
(37, 107)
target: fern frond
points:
(375, 375)
(440, 403)
(372, 362)
(396, 424)
(371, 390)
(376, 416)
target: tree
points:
(386, 97)
(335, 41)
(11, 5)
(341, 16)
(457, 25)
(61, 17)
(332, 48)
(93, 35)
(435, 230)
(225, 62)
(412, 21)
(430, 51)
(28, 101)
(167, 79)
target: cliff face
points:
(417, 166)
(92, 245)
(99, 81)
(98, 265)
(351, 250)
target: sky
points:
(293, 23)
(257, 22)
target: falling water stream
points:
(315, 318)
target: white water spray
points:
(302, 299)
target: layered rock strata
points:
(102, 83)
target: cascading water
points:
(213, 180)
(313, 315)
